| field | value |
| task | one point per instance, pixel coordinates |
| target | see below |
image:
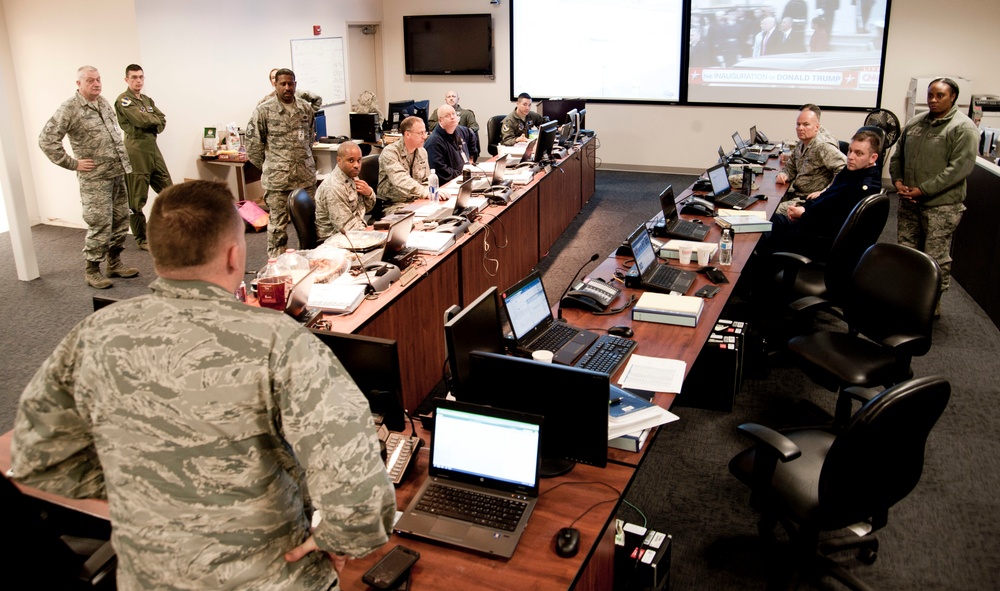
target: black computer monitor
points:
(398, 110)
(373, 364)
(478, 327)
(546, 140)
(573, 401)
(583, 119)
(421, 109)
(574, 119)
(558, 109)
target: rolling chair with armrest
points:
(806, 285)
(302, 211)
(369, 174)
(814, 481)
(493, 133)
(889, 308)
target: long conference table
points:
(565, 498)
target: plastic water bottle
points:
(298, 265)
(726, 248)
(432, 185)
(274, 282)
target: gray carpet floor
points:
(944, 535)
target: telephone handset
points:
(761, 138)
(594, 295)
(698, 206)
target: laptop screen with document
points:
(527, 306)
(642, 250)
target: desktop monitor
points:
(546, 140)
(574, 120)
(558, 109)
(573, 401)
(364, 127)
(421, 109)
(478, 327)
(373, 364)
(398, 110)
(583, 119)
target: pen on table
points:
(616, 401)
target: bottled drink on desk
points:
(298, 265)
(726, 248)
(432, 185)
(274, 282)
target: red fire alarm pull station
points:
(317, 30)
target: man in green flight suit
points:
(142, 122)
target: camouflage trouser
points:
(930, 229)
(784, 205)
(138, 191)
(105, 211)
(277, 201)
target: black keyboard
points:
(664, 277)
(482, 509)
(554, 338)
(606, 355)
(686, 229)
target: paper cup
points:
(684, 253)
(704, 255)
(543, 356)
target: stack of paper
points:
(430, 242)
(629, 413)
(743, 223)
(668, 309)
(336, 297)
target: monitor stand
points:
(552, 467)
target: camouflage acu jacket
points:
(280, 144)
(93, 133)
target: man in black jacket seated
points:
(810, 228)
(450, 146)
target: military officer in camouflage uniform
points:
(279, 142)
(141, 121)
(343, 199)
(101, 162)
(814, 161)
(313, 99)
(202, 421)
(403, 168)
(516, 125)
(935, 154)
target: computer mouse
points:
(621, 331)
(568, 542)
(761, 197)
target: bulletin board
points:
(318, 64)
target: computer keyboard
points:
(685, 229)
(554, 338)
(664, 276)
(467, 505)
(606, 355)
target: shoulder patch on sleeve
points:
(126, 101)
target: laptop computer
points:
(485, 454)
(722, 191)
(652, 274)
(395, 250)
(745, 152)
(534, 327)
(463, 205)
(496, 181)
(672, 225)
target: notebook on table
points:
(673, 226)
(723, 192)
(481, 457)
(534, 327)
(652, 274)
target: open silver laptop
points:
(481, 458)
(483, 184)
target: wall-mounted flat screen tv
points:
(448, 44)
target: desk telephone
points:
(399, 450)
(697, 206)
(594, 295)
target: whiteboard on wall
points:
(318, 64)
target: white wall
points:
(925, 38)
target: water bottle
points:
(432, 185)
(726, 248)
(274, 282)
(298, 265)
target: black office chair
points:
(808, 285)
(844, 146)
(369, 174)
(302, 211)
(53, 547)
(814, 481)
(493, 133)
(889, 307)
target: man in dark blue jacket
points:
(810, 228)
(450, 146)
